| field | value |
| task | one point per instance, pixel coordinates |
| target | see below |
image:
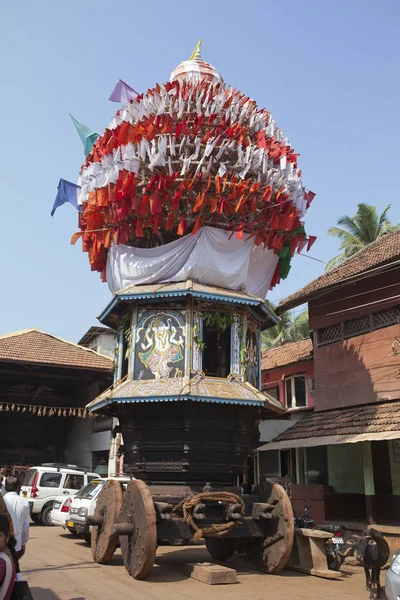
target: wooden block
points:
(210, 573)
(325, 573)
(313, 533)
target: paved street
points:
(60, 567)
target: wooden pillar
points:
(369, 485)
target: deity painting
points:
(251, 357)
(160, 345)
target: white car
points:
(43, 484)
(59, 514)
(84, 504)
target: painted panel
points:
(235, 345)
(252, 352)
(160, 344)
(197, 364)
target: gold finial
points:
(196, 52)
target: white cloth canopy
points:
(208, 257)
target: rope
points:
(187, 506)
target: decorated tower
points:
(191, 207)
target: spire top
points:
(196, 52)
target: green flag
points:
(87, 136)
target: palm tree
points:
(289, 329)
(359, 231)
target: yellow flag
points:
(196, 52)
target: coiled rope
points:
(187, 506)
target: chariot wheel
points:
(221, 548)
(104, 541)
(271, 554)
(138, 530)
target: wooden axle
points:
(96, 520)
(123, 528)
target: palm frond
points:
(357, 232)
(349, 224)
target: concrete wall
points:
(345, 468)
(77, 445)
(77, 442)
(103, 344)
(100, 441)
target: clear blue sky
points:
(327, 71)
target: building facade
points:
(45, 384)
(287, 376)
(354, 428)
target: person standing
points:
(7, 567)
(19, 512)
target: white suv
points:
(43, 484)
(84, 504)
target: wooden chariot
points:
(187, 401)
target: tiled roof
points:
(383, 250)
(286, 354)
(368, 419)
(35, 346)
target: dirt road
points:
(60, 567)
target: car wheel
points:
(45, 516)
(36, 518)
(87, 537)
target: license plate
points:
(70, 524)
(337, 540)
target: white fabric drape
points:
(209, 257)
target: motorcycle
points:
(333, 545)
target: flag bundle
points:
(189, 153)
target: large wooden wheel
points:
(221, 548)
(138, 530)
(271, 555)
(104, 541)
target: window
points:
(217, 352)
(90, 490)
(50, 480)
(29, 477)
(73, 482)
(295, 391)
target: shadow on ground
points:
(39, 593)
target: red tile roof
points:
(286, 354)
(355, 420)
(384, 250)
(35, 346)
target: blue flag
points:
(67, 192)
(87, 135)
